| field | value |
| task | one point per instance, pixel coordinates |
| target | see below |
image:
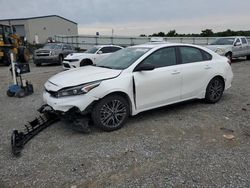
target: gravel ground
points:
(176, 146)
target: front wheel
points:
(110, 113)
(214, 90)
(60, 59)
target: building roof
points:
(15, 19)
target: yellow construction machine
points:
(11, 42)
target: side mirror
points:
(237, 44)
(99, 52)
(144, 67)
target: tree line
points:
(204, 33)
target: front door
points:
(160, 86)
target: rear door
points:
(196, 68)
(237, 49)
(244, 46)
(160, 86)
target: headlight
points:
(220, 51)
(82, 89)
(71, 60)
(52, 52)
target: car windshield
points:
(91, 50)
(52, 46)
(122, 59)
(223, 41)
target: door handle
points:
(207, 67)
(175, 72)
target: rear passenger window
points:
(244, 41)
(206, 56)
(190, 54)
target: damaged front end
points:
(47, 117)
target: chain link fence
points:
(87, 41)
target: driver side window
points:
(161, 58)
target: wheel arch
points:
(220, 77)
(87, 61)
(125, 96)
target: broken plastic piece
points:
(19, 139)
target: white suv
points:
(89, 57)
(137, 79)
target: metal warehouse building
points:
(39, 29)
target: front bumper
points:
(70, 65)
(46, 59)
(64, 104)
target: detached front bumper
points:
(64, 104)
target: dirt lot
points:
(180, 145)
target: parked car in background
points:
(52, 53)
(136, 79)
(90, 56)
(231, 47)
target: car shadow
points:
(146, 115)
(239, 60)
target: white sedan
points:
(89, 57)
(137, 79)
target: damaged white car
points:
(137, 79)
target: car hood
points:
(79, 56)
(79, 76)
(215, 47)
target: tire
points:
(37, 64)
(229, 55)
(60, 59)
(214, 90)
(85, 62)
(248, 57)
(10, 94)
(105, 115)
(21, 93)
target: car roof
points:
(108, 45)
(158, 45)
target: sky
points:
(135, 17)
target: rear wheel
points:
(214, 90)
(110, 113)
(60, 59)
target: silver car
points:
(52, 53)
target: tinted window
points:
(106, 50)
(92, 50)
(206, 56)
(244, 41)
(162, 58)
(114, 49)
(190, 55)
(67, 47)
